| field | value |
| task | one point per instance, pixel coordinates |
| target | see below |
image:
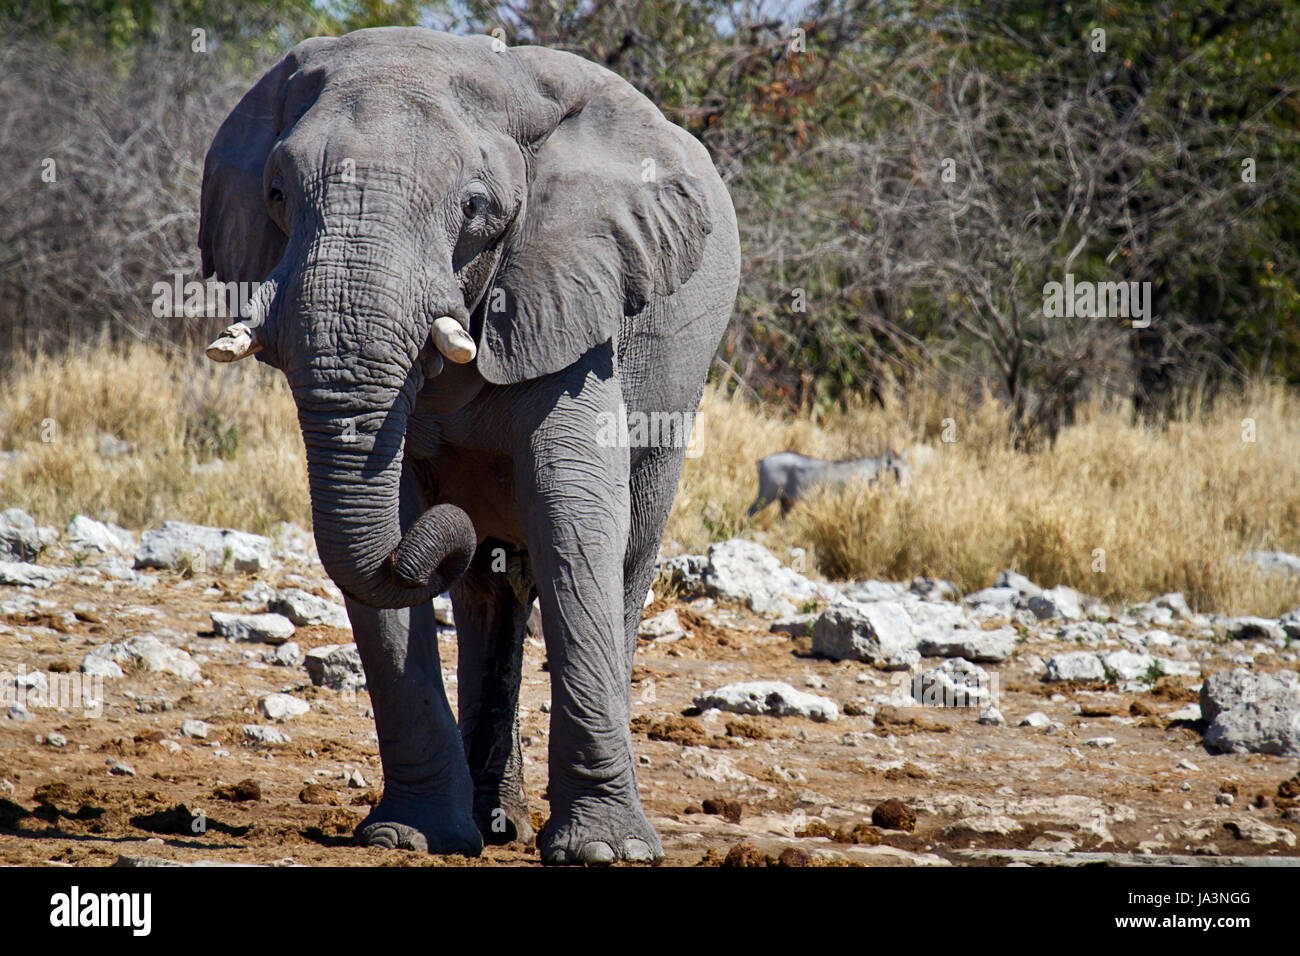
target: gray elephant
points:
(475, 258)
(788, 476)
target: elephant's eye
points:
(474, 205)
(276, 193)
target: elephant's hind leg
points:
(492, 602)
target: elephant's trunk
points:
(350, 370)
(354, 472)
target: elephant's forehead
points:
(411, 68)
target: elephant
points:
(787, 476)
(472, 259)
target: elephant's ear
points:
(237, 239)
(617, 212)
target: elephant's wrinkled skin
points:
(571, 252)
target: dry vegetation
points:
(212, 445)
(1172, 508)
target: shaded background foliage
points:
(866, 269)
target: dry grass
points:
(1115, 510)
(216, 445)
(1171, 509)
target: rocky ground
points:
(213, 711)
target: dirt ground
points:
(719, 787)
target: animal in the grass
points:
(788, 476)
(476, 259)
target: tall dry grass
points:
(1169, 509)
(1116, 510)
(211, 444)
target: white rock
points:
(24, 575)
(954, 683)
(21, 538)
(337, 666)
(770, 698)
(1190, 714)
(1057, 602)
(288, 654)
(1037, 720)
(282, 707)
(663, 628)
(86, 534)
(1256, 831)
(443, 612)
(262, 734)
(293, 543)
(1075, 665)
(305, 609)
(1126, 665)
(746, 572)
(974, 645)
(196, 729)
(1003, 600)
(1256, 628)
(1103, 743)
(143, 652)
(879, 633)
(992, 717)
(264, 628)
(177, 545)
(1247, 712)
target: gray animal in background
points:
(470, 283)
(788, 476)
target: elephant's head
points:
(410, 198)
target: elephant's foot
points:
(598, 831)
(426, 824)
(503, 819)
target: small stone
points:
(1075, 666)
(119, 769)
(878, 633)
(663, 628)
(770, 698)
(1036, 720)
(288, 654)
(146, 653)
(336, 666)
(56, 739)
(196, 729)
(1186, 764)
(992, 717)
(262, 734)
(306, 609)
(1101, 743)
(282, 707)
(263, 628)
(356, 781)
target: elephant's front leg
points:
(428, 796)
(573, 495)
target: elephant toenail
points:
(597, 852)
(638, 851)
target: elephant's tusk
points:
(235, 343)
(452, 340)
